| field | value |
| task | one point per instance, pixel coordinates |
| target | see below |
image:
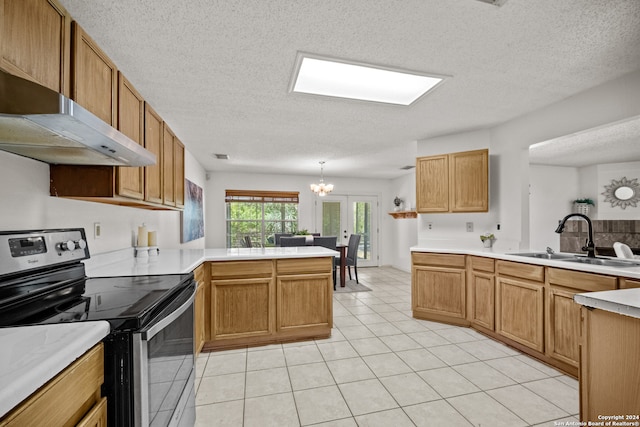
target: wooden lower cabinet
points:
(481, 289)
(200, 307)
(629, 283)
(520, 311)
(269, 301)
(562, 332)
(439, 292)
(609, 368)
(72, 398)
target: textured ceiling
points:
(219, 71)
(616, 142)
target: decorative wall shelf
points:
(404, 214)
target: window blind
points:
(253, 196)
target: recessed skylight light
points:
(322, 76)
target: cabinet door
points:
(432, 184)
(519, 311)
(439, 291)
(482, 288)
(153, 134)
(199, 319)
(97, 417)
(178, 172)
(241, 308)
(303, 301)
(95, 77)
(168, 178)
(469, 181)
(129, 180)
(35, 42)
(563, 326)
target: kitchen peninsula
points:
(245, 296)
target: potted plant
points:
(487, 239)
(302, 232)
(583, 205)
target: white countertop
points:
(621, 301)
(32, 355)
(181, 261)
(630, 272)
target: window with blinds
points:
(254, 217)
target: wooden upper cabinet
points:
(35, 42)
(433, 184)
(130, 180)
(153, 134)
(455, 182)
(168, 179)
(178, 172)
(95, 77)
(469, 181)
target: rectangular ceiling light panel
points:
(363, 82)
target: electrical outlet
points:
(498, 227)
(429, 225)
(97, 230)
(469, 227)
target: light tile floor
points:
(381, 367)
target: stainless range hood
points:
(42, 124)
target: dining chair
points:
(351, 259)
(293, 241)
(329, 242)
(622, 250)
(278, 236)
(246, 242)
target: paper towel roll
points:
(143, 236)
(153, 238)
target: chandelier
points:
(322, 189)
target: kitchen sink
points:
(606, 262)
(544, 255)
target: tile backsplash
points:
(606, 232)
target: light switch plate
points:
(469, 227)
(97, 230)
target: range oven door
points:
(163, 359)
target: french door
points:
(345, 215)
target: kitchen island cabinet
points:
(257, 302)
(609, 368)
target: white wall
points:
(220, 181)
(509, 167)
(403, 232)
(552, 190)
(26, 205)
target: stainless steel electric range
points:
(149, 354)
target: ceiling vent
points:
(497, 3)
(406, 168)
(221, 156)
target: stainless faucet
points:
(589, 246)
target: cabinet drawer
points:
(581, 281)
(304, 265)
(521, 270)
(629, 283)
(66, 398)
(482, 264)
(439, 260)
(241, 269)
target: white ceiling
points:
(219, 71)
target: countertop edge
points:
(22, 383)
(632, 273)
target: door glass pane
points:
(331, 218)
(362, 226)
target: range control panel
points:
(26, 250)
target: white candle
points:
(143, 236)
(153, 238)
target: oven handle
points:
(153, 330)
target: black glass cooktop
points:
(126, 302)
